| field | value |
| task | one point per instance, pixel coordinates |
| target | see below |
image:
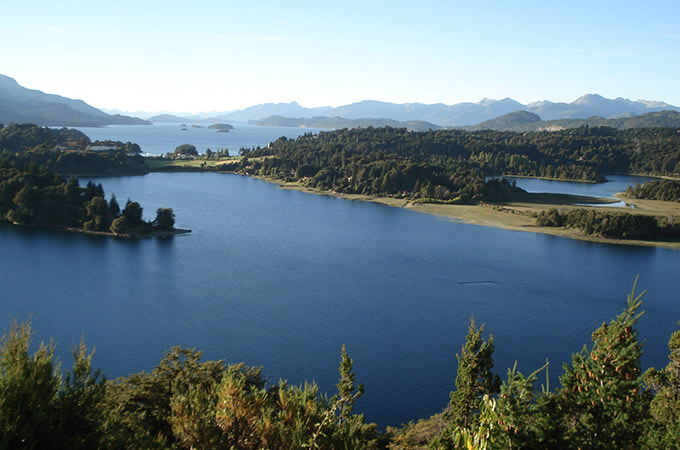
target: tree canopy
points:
(33, 195)
(186, 149)
(456, 166)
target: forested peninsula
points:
(32, 194)
(429, 170)
(436, 164)
(69, 151)
(605, 401)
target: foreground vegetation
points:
(605, 401)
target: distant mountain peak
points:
(7, 81)
(20, 104)
(589, 99)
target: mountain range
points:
(522, 121)
(333, 123)
(439, 114)
(19, 104)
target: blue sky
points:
(223, 55)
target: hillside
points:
(340, 122)
(522, 121)
(20, 105)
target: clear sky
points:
(205, 55)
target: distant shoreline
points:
(513, 216)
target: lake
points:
(613, 185)
(282, 279)
(159, 139)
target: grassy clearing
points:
(158, 163)
(653, 207)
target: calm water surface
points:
(159, 139)
(613, 185)
(282, 279)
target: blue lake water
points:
(613, 185)
(159, 139)
(283, 279)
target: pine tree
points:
(474, 377)
(114, 207)
(519, 416)
(474, 380)
(602, 404)
(346, 389)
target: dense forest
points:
(455, 165)
(614, 225)
(32, 195)
(65, 151)
(605, 401)
(667, 190)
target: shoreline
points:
(512, 216)
(532, 177)
(161, 234)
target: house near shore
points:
(69, 146)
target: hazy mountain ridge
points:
(341, 122)
(523, 121)
(595, 105)
(460, 114)
(19, 104)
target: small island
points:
(221, 127)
